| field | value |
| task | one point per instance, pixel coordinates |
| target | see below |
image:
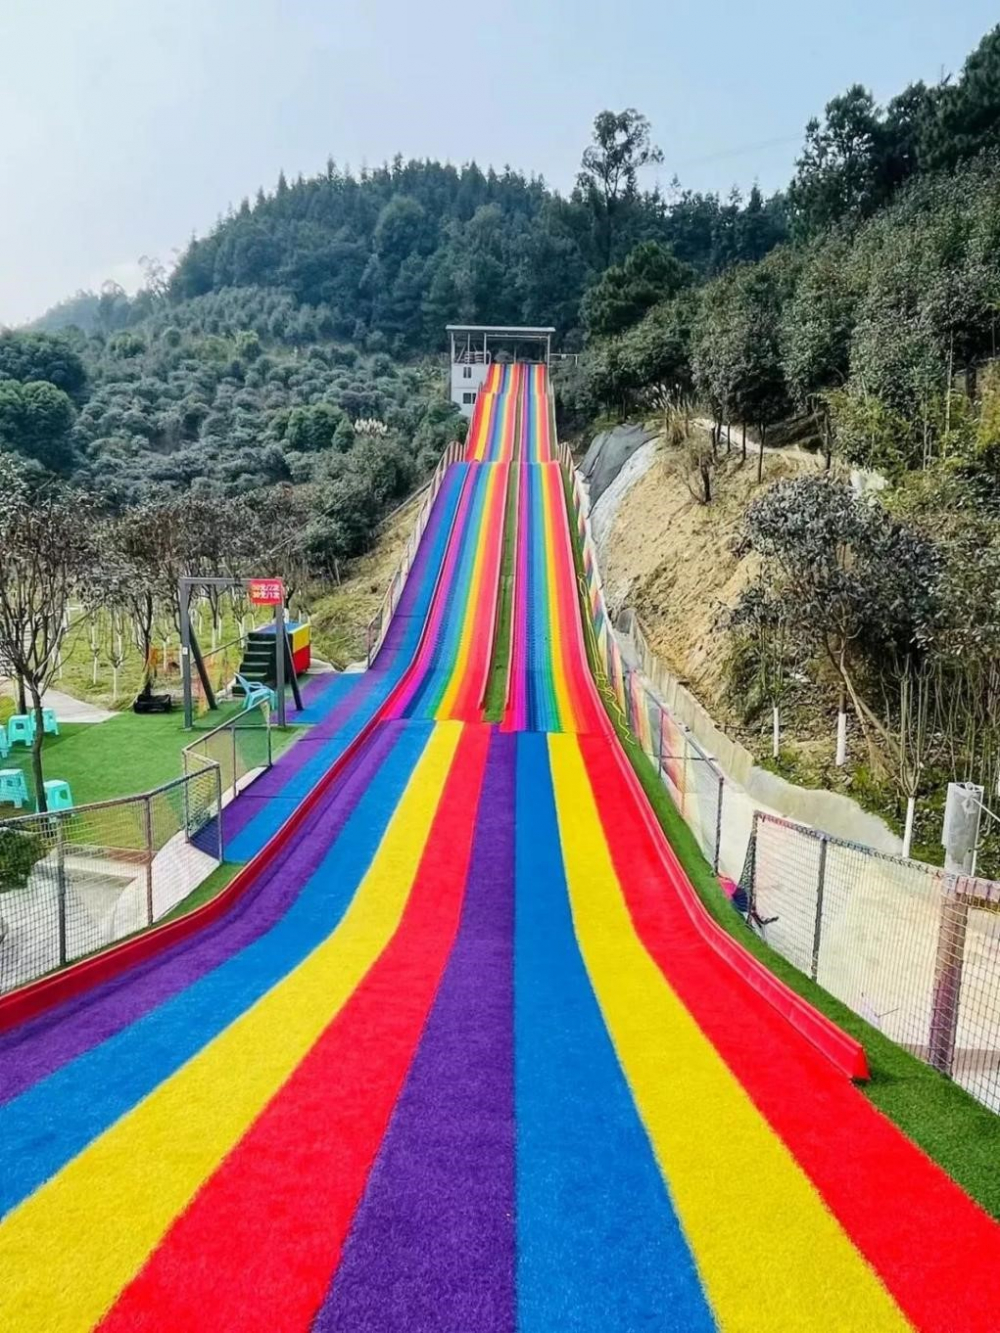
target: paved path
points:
(67, 708)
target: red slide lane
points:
(37, 997)
(587, 705)
(935, 1249)
(300, 1170)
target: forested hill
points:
(290, 345)
(389, 256)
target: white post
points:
(911, 803)
(962, 811)
(841, 739)
(775, 732)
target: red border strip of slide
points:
(843, 1050)
(35, 998)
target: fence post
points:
(659, 748)
(267, 730)
(685, 761)
(148, 816)
(218, 809)
(718, 825)
(748, 878)
(61, 889)
(236, 782)
(818, 925)
(960, 838)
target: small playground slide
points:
(466, 1056)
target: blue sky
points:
(128, 125)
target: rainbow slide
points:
(464, 1053)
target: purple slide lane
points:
(432, 1243)
(62, 1034)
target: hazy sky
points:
(126, 125)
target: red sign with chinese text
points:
(267, 592)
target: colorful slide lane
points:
(463, 1059)
(493, 432)
(339, 709)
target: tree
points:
(837, 174)
(40, 356)
(623, 294)
(609, 177)
(36, 420)
(817, 325)
(45, 551)
(849, 582)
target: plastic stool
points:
(50, 725)
(57, 794)
(13, 787)
(21, 727)
(4, 742)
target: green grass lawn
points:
(125, 755)
(951, 1127)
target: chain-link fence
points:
(911, 948)
(241, 748)
(74, 881)
(379, 624)
(692, 777)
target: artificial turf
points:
(953, 1128)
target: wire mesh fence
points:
(75, 881)
(911, 948)
(241, 748)
(379, 623)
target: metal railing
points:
(911, 948)
(240, 748)
(73, 882)
(379, 624)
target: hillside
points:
(675, 562)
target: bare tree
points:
(45, 550)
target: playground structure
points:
(282, 661)
(467, 1051)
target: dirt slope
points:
(671, 559)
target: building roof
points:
(500, 330)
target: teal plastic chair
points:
(57, 794)
(13, 788)
(50, 725)
(4, 742)
(254, 691)
(21, 727)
